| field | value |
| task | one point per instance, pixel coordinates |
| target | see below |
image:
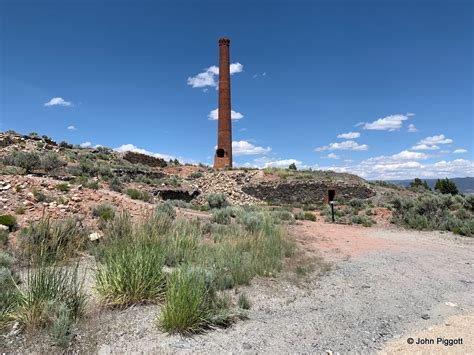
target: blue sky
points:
(383, 89)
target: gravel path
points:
(401, 283)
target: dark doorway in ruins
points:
(331, 195)
(220, 153)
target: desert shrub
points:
(191, 303)
(364, 220)
(180, 204)
(357, 203)
(469, 202)
(196, 175)
(433, 211)
(104, 211)
(8, 220)
(130, 271)
(52, 294)
(166, 208)
(52, 240)
(115, 184)
(63, 187)
(40, 196)
(51, 161)
(222, 215)
(217, 201)
(305, 215)
(12, 170)
(25, 160)
(138, 195)
(250, 220)
(93, 185)
(20, 210)
(243, 301)
(282, 215)
(64, 144)
(3, 237)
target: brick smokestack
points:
(223, 156)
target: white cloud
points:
(58, 101)
(388, 123)
(439, 139)
(208, 76)
(424, 147)
(213, 115)
(412, 128)
(345, 145)
(265, 162)
(460, 151)
(71, 128)
(132, 148)
(333, 156)
(85, 145)
(349, 135)
(247, 148)
(407, 155)
(410, 114)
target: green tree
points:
(292, 166)
(417, 183)
(446, 186)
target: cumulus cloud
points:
(247, 148)
(407, 155)
(345, 145)
(349, 135)
(85, 145)
(58, 101)
(265, 162)
(132, 148)
(432, 143)
(388, 123)
(71, 128)
(425, 147)
(412, 128)
(460, 151)
(439, 139)
(213, 115)
(333, 156)
(209, 76)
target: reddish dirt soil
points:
(335, 242)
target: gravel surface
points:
(367, 299)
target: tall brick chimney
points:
(223, 156)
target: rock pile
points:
(229, 183)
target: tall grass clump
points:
(59, 239)
(222, 215)
(191, 302)
(9, 293)
(130, 271)
(51, 298)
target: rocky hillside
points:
(38, 175)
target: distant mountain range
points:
(465, 185)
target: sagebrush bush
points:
(432, 211)
(51, 161)
(364, 220)
(104, 211)
(25, 160)
(243, 301)
(138, 195)
(52, 240)
(222, 215)
(217, 200)
(166, 208)
(8, 220)
(63, 187)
